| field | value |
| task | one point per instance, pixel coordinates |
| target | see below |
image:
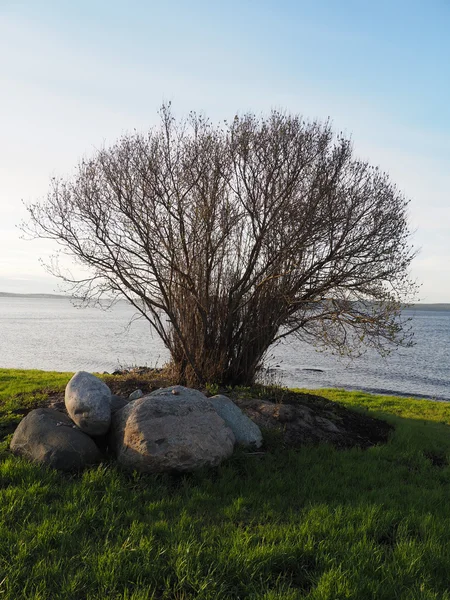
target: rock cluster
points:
(171, 429)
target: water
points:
(51, 334)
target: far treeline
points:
(230, 237)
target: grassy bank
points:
(316, 523)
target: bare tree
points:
(228, 238)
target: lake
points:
(52, 334)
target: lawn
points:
(315, 523)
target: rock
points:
(246, 432)
(117, 402)
(49, 437)
(88, 402)
(284, 413)
(170, 433)
(136, 394)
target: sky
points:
(76, 75)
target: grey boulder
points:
(246, 432)
(136, 394)
(88, 402)
(49, 437)
(117, 402)
(170, 432)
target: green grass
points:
(21, 390)
(14, 382)
(311, 524)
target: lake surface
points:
(52, 334)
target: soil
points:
(303, 419)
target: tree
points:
(229, 238)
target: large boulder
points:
(246, 432)
(170, 432)
(49, 437)
(88, 402)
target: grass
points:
(14, 382)
(317, 523)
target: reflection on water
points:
(52, 334)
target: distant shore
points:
(12, 295)
(419, 306)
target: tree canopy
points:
(229, 237)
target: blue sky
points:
(75, 75)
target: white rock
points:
(88, 402)
(246, 432)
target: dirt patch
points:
(124, 385)
(303, 419)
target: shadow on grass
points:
(315, 522)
